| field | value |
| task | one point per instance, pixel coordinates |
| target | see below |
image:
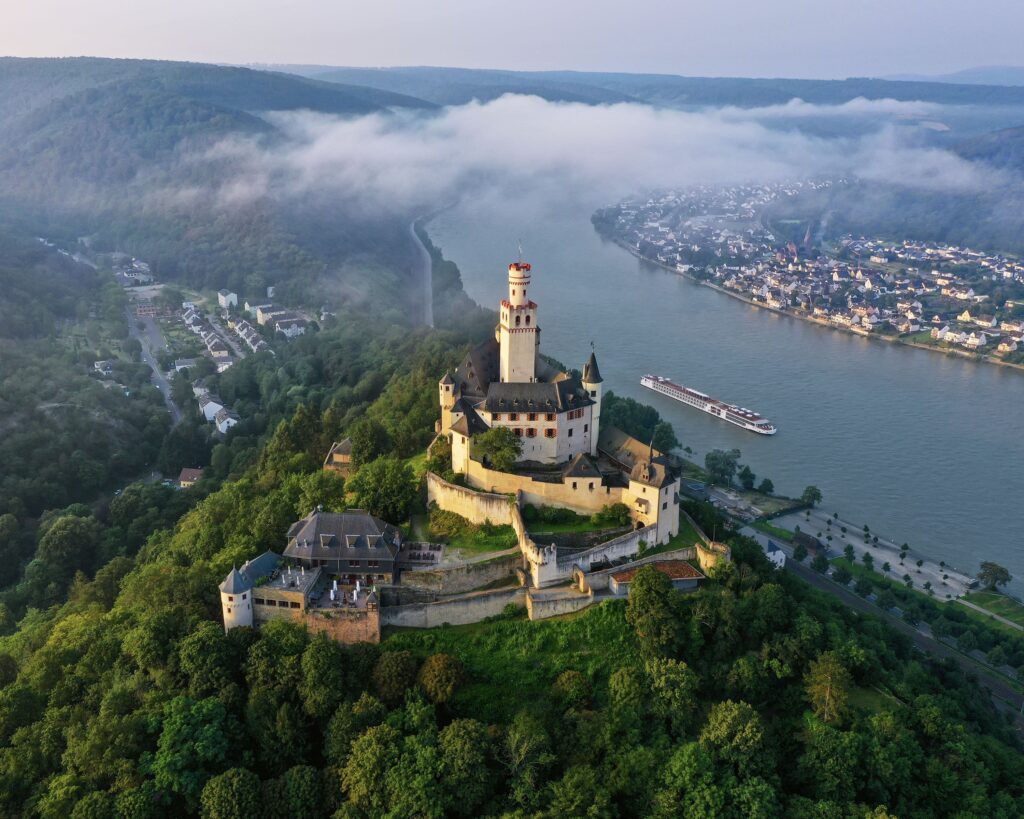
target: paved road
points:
(1005, 697)
(152, 340)
(227, 337)
(425, 266)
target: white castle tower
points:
(592, 384)
(236, 600)
(518, 334)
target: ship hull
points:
(730, 413)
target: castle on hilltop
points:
(506, 382)
(567, 459)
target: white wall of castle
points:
(236, 609)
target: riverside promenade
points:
(946, 581)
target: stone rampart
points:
(476, 507)
(588, 497)
(598, 581)
(541, 605)
(625, 546)
(467, 608)
(463, 577)
(346, 626)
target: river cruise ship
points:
(740, 416)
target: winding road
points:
(152, 339)
(424, 265)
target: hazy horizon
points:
(735, 38)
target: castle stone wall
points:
(476, 507)
(627, 545)
(469, 608)
(582, 499)
(347, 627)
(463, 577)
(541, 606)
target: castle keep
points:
(566, 459)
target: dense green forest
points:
(120, 695)
(755, 696)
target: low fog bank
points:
(533, 149)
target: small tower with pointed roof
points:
(592, 384)
(236, 600)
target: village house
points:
(226, 299)
(225, 419)
(188, 477)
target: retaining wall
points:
(469, 608)
(346, 627)
(476, 507)
(582, 499)
(463, 577)
(541, 606)
(624, 546)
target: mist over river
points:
(924, 448)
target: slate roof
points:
(353, 534)
(581, 467)
(479, 369)
(536, 396)
(241, 580)
(470, 423)
(591, 374)
(652, 474)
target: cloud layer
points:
(519, 145)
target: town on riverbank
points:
(924, 294)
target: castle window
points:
(549, 433)
(519, 432)
(574, 484)
(497, 416)
(229, 609)
(531, 416)
(549, 417)
(519, 320)
(513, 416)
(570, 432)
(591, 486)
(531, 432)
(295, 604)
(259, 601)
(586, 427)
(231, 599)
(527, 321)
(243, 597)
(665, 505)
(593, 393)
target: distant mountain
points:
(118, 150)
(457, 86)
(982, 75)
(454, 86)
(29, 83)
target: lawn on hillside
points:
(998, 604)
(512, 662)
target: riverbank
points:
(899, 340)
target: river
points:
(924, 448)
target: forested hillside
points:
(453, 86)
(753, 697)
(122, 151)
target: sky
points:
(752, 38)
